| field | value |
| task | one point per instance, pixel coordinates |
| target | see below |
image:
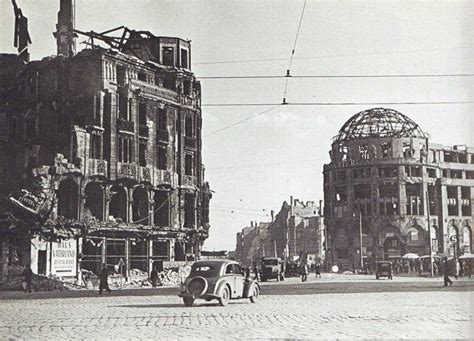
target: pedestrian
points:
(317, 268)
(255, 272)
(103, 280)
(154, 277)
(458, 269)
(304, 272)
(27, 278)
(447, 280)
(467, 269)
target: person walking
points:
(317, 269)
(103, 280)
(154, 277)
(27, 278)
(467, 269)
(304, 272)
(447, 280)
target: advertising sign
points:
(63, 258)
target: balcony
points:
(163, 135)
(145, 174)
(127, 171)
(189, 142)
(189, 181)
(96, 167)
(143, 130)
(164, 178)
(125, 125)
(153, 90)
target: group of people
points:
(304, 271)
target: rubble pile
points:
(174, 276)
(38, 283)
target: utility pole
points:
(429, 231)
(360, 237)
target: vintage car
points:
(272, 268)
(220, 280)
(383, 269)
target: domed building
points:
(388, 190)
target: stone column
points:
(171, 246)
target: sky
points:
(256, 157)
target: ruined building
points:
(388, 184)
(297, 231)
(101, 154)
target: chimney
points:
(251, 223)
(64, 34)
(291, 200)
(272, 213)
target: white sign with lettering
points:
(63, 258)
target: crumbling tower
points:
(65, 29)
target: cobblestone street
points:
(432, 314)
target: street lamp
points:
(360, 238)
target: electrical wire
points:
(242, 121)
(332, 104)
(331, 56)
(293, 52)
(341, 76)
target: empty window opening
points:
(184, 59)
(118, 203)
(162, 208)
(470, 175)
(142, 153)
(161, 159)
(95, 151)
(189, 210)
(140, 207)
(188, 164)
(466, 201)
(168, 55)
(169, 82)
(414, 197)
(340, 175)
(364, 152)
(431, 172)
(359, 173)
(386, 149)
(68, 199)
(388, 191)
(407, 149)
(121, 75)
(388, 172)
(125, 149)
(340, 195)
(432, 200)
(142, 76)
(187, 88)
(362, 191)
(142, 110)
(94, 204)
(456, 174)
(189, 127)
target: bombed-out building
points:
(101, 154)
(389, 190)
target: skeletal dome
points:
(378, 122)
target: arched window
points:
(466, 238)
(94, 205)
(68, 199)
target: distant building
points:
(296, 232)
(214, 254)
(388, 183)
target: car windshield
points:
(270, 262)
(204, 270)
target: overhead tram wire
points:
(274, 106)
(334, 104)
(341, 76)
(293, 54)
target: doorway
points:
(42, 262)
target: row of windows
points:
(392, 171)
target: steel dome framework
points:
(378, 122)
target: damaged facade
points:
(296, 232)
(389, 184)
(103, 148)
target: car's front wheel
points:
(188, 301)
(225, 297)
(255, 294)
